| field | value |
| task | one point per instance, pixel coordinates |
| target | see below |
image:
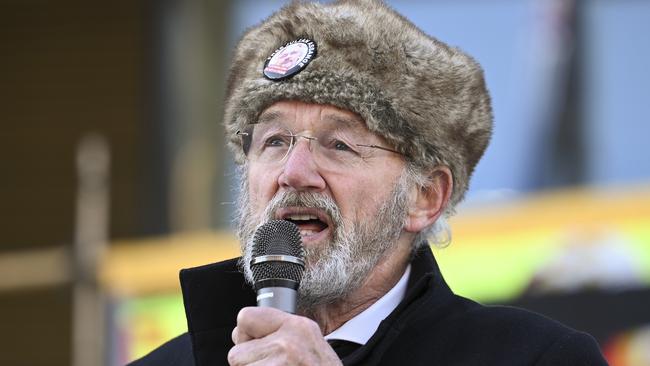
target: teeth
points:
(302, 217)
(307, 232)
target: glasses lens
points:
(336, 150)
(269, 144)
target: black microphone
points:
(277, 265)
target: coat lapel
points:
(213, 295)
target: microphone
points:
(277, 265)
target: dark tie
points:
(343, 348)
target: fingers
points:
(278, 349)
(247, 353)
(258, 322)
(239, 336)
(272, 337)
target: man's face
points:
(349, 202)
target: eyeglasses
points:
(331, 148)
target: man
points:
(366, 139)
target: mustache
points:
(303, 199)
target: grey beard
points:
(338, 268)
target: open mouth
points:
(311, 222)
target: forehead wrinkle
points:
(352, 123)
(270, 116)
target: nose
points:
(300, 171)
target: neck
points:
(381, 279)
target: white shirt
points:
(360, 328)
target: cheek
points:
(262, 186)
(365, 194)
(359, 199)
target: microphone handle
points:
(281, 298)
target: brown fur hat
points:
(426, 98)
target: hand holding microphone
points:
(271, 333)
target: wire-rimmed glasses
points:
(331, 148)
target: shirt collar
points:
(360, 328)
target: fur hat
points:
(426, 98)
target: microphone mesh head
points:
(277, 237)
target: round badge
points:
(289, 59)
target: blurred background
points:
(115, 176)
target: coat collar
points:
(426, 282)
(213, 295)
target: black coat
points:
(431, 326)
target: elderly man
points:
(363, 131)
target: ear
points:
(430, 201)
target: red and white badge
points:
(289, 59)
